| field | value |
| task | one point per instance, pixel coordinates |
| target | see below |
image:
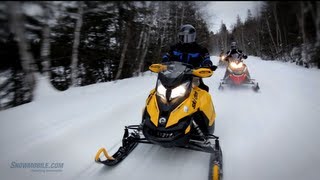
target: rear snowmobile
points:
(238, 74)
(177, 114)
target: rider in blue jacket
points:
(188, 51)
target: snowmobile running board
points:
(255, 86)
(129, 142)
(252, 81)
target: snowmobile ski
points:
(128, 144)
(215, 164)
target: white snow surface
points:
(272, 134)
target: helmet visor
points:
(185, 37)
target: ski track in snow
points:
(272, 134)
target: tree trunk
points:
(162, 36)
(176, 24)
(45, 46)
(75, 47)
(270, 33)
(145, 45)
(242, 40)
(285, 34)
(141, 37)
(316, 19)
(16, 25)
(258, 25)
(124, 51)
(145, 49)
(318, 33)
(301, 21)
(259, 43)
(318, 23)
(278, 32)
(316, 15)
(139, 45)
(182, 15)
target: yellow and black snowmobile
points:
(177, 114)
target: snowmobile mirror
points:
(202, 72)
(156, 68)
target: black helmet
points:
(187, 34)
(233, 45)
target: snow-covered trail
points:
(272, 134)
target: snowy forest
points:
(78, 43)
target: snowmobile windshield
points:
(235, 57)
(175, 74)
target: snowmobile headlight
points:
(161, 90)
(235, 65)
(180, 90)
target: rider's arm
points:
(228, 53)
(206, 62)
(168, 55)
(244, 56)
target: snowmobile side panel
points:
(153, 109)
(186, 108)
(206, 105)
(153, 91)
(198, 100)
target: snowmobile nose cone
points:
(162, 121)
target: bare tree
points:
(75, 47)
(301, 20)
(271, 36)
(162, 18)
(278, 31)
(124, 50)
(16, 24)
(144, 48)
(45, 46)
(182, 14)
(139, 44)
(318, 23)
(315, 12)
(145, 45)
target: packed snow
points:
(272, 134)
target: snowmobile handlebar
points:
(202, 72)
